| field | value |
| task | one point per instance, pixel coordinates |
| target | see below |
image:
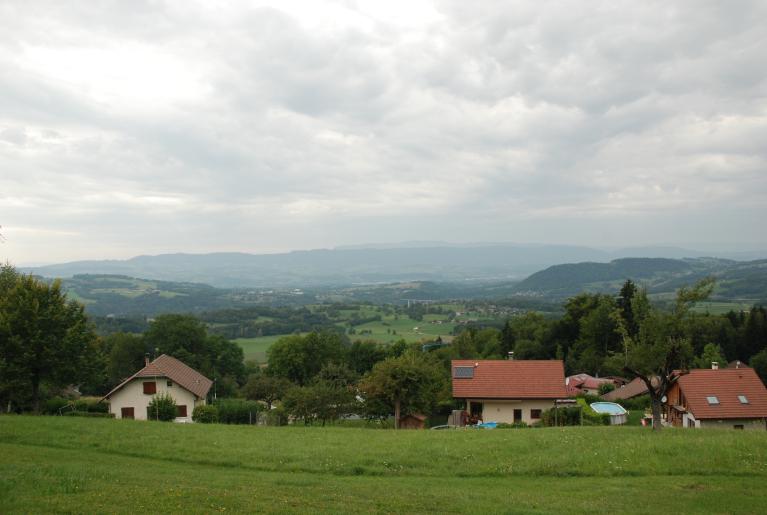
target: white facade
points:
(689, 420)
(494, 410)
(758, 424)
(132, 395)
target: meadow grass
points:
(721, 308)
(406, 328)
(255, 348)
(60, 464)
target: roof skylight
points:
(463, 372)
(712, 399)
(743, 399)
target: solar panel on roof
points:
(463, 372)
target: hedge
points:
(205, 414)
(238, 411)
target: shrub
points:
(569, 416)
(639, 403)
(591, 417)
(54, 404)
(606, 388)
(277, 416)
(238, 411)
(515, 425)
(162, 407)
(205, 414)
(91, 405)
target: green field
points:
(390, 329)
(63, 465)
(255, 348)
(720, 308)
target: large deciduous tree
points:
(44, 340)
(186, 338)
(266, 388)
(659, 349)
(299, 358)
(407, 384)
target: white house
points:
(166, 374)
(508, 390)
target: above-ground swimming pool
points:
(618, 414)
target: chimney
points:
(511, 355)
(714, 365)
(146, 359)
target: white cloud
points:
(193, 126)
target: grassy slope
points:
(60, 464)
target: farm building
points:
(166, 374)
(584, 383)
(719, 398)
(413, 421)
(630, 390)
(508, 390)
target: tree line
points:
(47, 344)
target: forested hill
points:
(348, 266)
(329, 267)
(747, 280)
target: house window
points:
(743, 399)
(181, 411)
(150, 388)
(535, 414)
(712, 400)
(169, 383)
(475, 409)
(517, 415)
(738, 426)
(126, 413)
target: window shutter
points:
(181, 410)
(150, 388)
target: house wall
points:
(729, 423)
(503, 410)
(132, 395)
(688, 420)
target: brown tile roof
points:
(632, 389)
(176, 371)
(510, 379)
(726, 385)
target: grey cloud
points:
(494, 121)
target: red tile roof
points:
(726, 385)
(176, 371)
(572, 391)
(510, 379)
(587, 381)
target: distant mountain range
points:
(415, 261)
(739, 284)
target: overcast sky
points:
(147, 127)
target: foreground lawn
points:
(56, 464)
